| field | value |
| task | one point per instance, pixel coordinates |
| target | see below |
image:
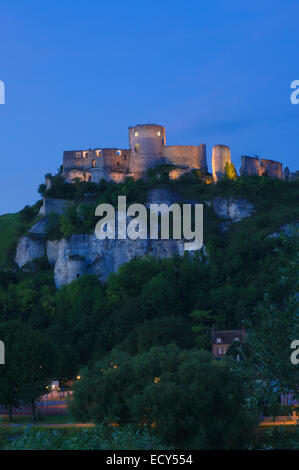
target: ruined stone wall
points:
(97, 164)
(191, 156)
(250, 166)
(272, 168)
(116, 160)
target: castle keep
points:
(147, 149)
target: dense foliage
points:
(191, 399)
(246, 278)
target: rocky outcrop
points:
(29, 250)
(51, 205)
(288, 230)
(231, 210)
(86, 254)
(163, 196)
(40, 228)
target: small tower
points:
(146, 144)
(220, 156)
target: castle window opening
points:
(118, 152)
(93, 163)
(137, 147)
(162, 141)
(100, 152)
(136, 133)
(85, 154)
(158, 133)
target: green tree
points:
(273, 326)
(189, 399)
(30, 359)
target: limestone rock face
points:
(232, 210)
(52, 205)
(52, 249)
(40, 228)
(163, 196)
(86, 254)
(288, 230)
(29, 250)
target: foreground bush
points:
(188, 398)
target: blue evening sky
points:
(78, 73)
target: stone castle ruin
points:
(147, 149)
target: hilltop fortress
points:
(147, 149)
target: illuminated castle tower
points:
(146, 144)
(220, 157)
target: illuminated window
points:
(218, 340)
(93, 163)
(158, 133)
(137, 147)
(118, 152)
(136, 133)
(236, 339)
(100, 152)
(85, 154)
(219, 351)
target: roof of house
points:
(228, 336)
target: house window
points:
(136, 133)
(236, 339)
(158, 133)
(218, 340)
(219, 351)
